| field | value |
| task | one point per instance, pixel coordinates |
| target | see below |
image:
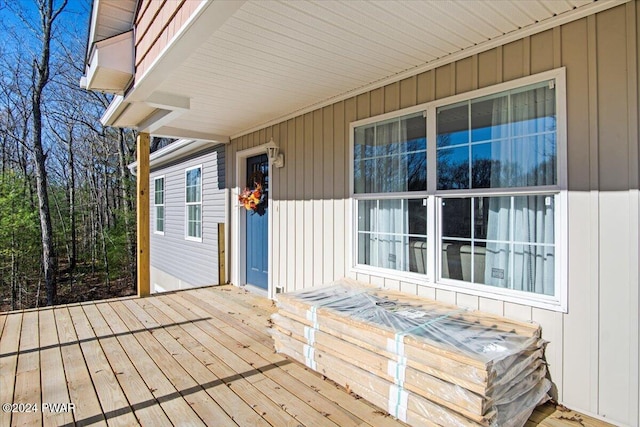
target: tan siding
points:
(408, 92)
(156, 25)
(589, 361)
(464, 75)
(376, 103)
(426, 87)
(488, 68)
(541, 48)
(444, 82)
(513, 64)
(391, 97)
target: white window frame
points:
(187, 204)
(557, 302)
(156, 205)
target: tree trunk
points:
(41, 78)
(125, 193)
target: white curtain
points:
(525, 157)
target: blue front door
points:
(257, 224)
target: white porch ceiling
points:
(269, 59)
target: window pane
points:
(364, 142)
(453, 168)
(159, 218)
(453, 125)
(415, 129)
(366, 214)
(194, 220)
(194, 185)
(392, 234)
(417, 217)
(451, 263)
(534, 219)
(392, 216)
(490, 118)
(480, 217)
(487, 169)
(418, 255)
(497, 265)
(533, 110)
(517, 134)
(495, 221)
(391, 156)
(159, 191)
(456, 218)
(533, 269)
(533, 161)
(387, 138)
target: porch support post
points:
(143, 215)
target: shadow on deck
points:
(194, 357)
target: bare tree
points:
(41, 71)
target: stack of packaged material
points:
(424, 362)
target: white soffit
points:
(110, 18)
(271, 59)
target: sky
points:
(16, 33)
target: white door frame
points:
(240, 220)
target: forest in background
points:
(67, 208)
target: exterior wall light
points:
(276, 158)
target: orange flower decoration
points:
(251, 199)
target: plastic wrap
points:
(414, 357)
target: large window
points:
(158, 202)
(484, 181)
(193, 199)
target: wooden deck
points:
(196, 357)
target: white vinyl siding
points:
(193, 203)
(178, 262)
(487, 185)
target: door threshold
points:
(255, 290)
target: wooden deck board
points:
(284, 389)
(113, 401)
(51, 357)
(78, 382)
(9, 345)
(242, 410)
(137, 392)
(189, 405)
(201, 356)
(27, 388)
(312, 383)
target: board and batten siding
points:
(178, 263)
(593, 348)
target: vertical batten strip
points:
(633, 84)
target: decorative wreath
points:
(251, 199)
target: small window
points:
(158, 203)
(193, 198)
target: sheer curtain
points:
(520, 242)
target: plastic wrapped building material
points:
(416, 358)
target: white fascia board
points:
(114, 110)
